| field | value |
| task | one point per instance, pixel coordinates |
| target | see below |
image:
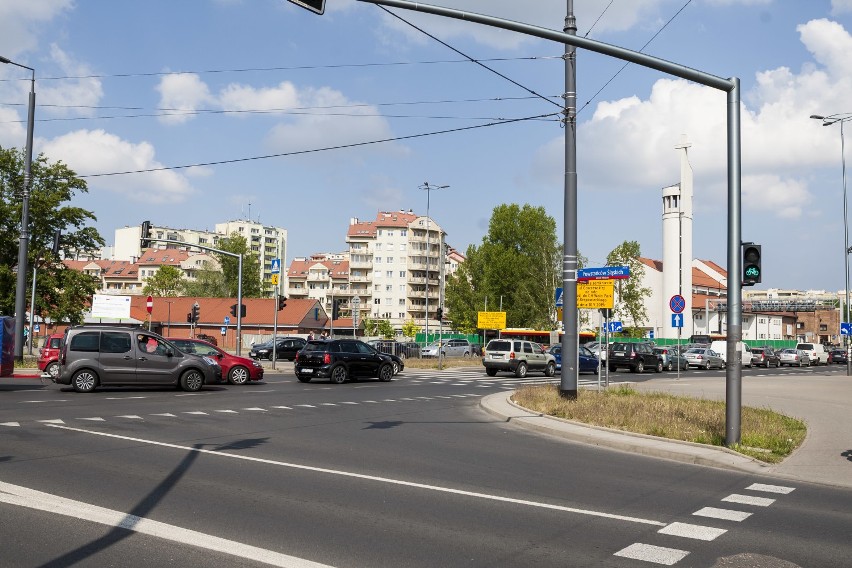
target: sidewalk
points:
(26, 373)
(821, 401)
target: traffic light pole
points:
(274, 330)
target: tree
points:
(629, 292)
(518, 265)
(385, 329)
(61, 293)
(371, 326)
(410, 329)
(167, 281)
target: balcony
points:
(362, 278)
(363, 264)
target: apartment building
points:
(323, 277)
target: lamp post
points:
(429, 189)
(828, 121)
(20, 290)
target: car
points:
(48, 355)
(634, 356)
(517, 356)
(721, 348)
(588, 363)
(679, 362)
(237, 370)
(402, 349)
(340, 360)
(596, 348)
(667, 354)
(208, 338)
(396, 360)
(764, 357)
(285, 348)
(816, 352)
(110, 355)
(704, 358)
(449, 348)
(839, 356)
(794, 358)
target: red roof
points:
(384, 219)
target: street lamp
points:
(828, 121)
(20, 290)
(429, 189)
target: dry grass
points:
(448, 362)
(765, 434)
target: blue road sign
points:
(651, 334)
(845, 328)
(223, 331)
(615, 326)
(677, 320)
(276, 266)
(227, 320)
(677, 304)
(559, 297)
(603, 273)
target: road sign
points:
(558, 298)
(651, 334)
(491, 320)
(149, 304)
(276, 266)
(274, 279)
(677, 304)
(845, 328)
(227, 320)
(595, 294)
(615, 326)
(677, 320)
(36, 328)
(223, 330)
(317, 6)
(603, 273)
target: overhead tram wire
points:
(598, 19)
(325, 149)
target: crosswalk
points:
(478, 378)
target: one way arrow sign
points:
(677, 320)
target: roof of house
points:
(400, 219)
(336, 268)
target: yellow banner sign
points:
(491, 320)
(595, 294)
(274, 280)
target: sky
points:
(261, 109)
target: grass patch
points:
(765, 435)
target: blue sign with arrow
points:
(677, 320)
(845, 328)
(615, 326)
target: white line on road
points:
(10, 424)
(686, 530)
(372, 478)
(94, 419)
(25, 497)
(749, 500)
(723, 514)
(771, 488)
(166, 414)
(52, 400)
(123, 397)
(655, 554)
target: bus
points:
(543, 337)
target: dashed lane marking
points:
(37, 401)
(14, 424)
(687, 530)
(227, 411)
(749, 500)
(93, 419)
(771, 488)
(166, 414)
(195, 412)
(54, 421)
(256, 409)
(722, 514)
(131, 416)
(651, 553)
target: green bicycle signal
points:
(752, 272)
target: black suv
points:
(285, 348)
(341, 359)
(634, 356)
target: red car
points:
(238, 370)
(48, 355)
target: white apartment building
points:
(266, 241)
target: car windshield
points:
(499, 346)
(699, 351)
(316, 345)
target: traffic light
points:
(189, 317)
(242, 310)
(752, 271)
(145, 241)
(196, 312)
(56, 234)
(335, 310)
(282, 302)
(440, 313)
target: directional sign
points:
(677, 304)
(615, 326)
(276, 266)
(595, 294)
(651, 334)
(558, 299)
(845, 328)
(603, 273)
(677, 320)
(227, 320)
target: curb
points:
(499, 405)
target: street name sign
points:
(603, 273)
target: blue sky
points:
(132, 86)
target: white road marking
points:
(371, 401)
(25, 497)
(365, 477)
(349, 403)
(284, 407)
(686, 530)
(328, 404)
(655, 554)
(771, 488)
(389, 400)
(194, 394)
(123, 397)
(10, 424)
(306, 405)
(256, 409)
(227, 411)
(196, 412)
(166, 414)
(56, 421)
(130, 416)
(94, 419)
(749, 500)
(723, 514)
(34, 401)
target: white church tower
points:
(677, 245)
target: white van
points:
(721, 347)
(816, 351)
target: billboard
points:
(108, 306)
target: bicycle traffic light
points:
(145, 241)
(282, 302)
(196, 312)
(752, 271)
(335, 310)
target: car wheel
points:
(707, 366)
(395, 367)
(640, 367)
(659, 367)
(84, 381)
(238, 375)
(612, 368)
(669, 366)
(491, 372)
(52, 369)
(550, 369)
(467, 354)
(339, 374)
(192, 380)
(385, 373)
(521, 370)
(402, 356)
(303, 379)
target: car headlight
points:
(257, 364)
(210, 361)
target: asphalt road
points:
(408, 473)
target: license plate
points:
(619, 354)
(307, 371)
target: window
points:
(390, 273)
(401, 315)
(377, 301)
(402, 301)
(388, 287)
(390, 260)
(377, 260)
(85, 341)
(115, 342)
(402, 273)
(403, 246)
(388, 301)
(390, 233)
(403, 232)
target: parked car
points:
(764, 357)
(285, 348)
(107, 355)
(208, 338)
(667, 354)
(237, 370)
(635, 356)
(340, 360)
(704, 358)
(679, 362)
(721, 349)
(48, 355)
(587, 362)
(838, 356)
(794, 358)
(517, 356)
(402, 349)
(449, 348)
(816, 352)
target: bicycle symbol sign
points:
(677, 303)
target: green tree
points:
(222, 281)
(630, 294)
(167, 281)
(385, 329)
(518, 265)
(61, 293)
(371, 326)
(410, 329)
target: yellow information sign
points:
(595, 294)
(491, 320)
(274, 280)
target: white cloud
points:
(13, 132)
(182, 93)
(841, 7)
(785, 195)
(20, 23)
(56, 96)
(96, 151)
(243, 97)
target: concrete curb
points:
(500, 406)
